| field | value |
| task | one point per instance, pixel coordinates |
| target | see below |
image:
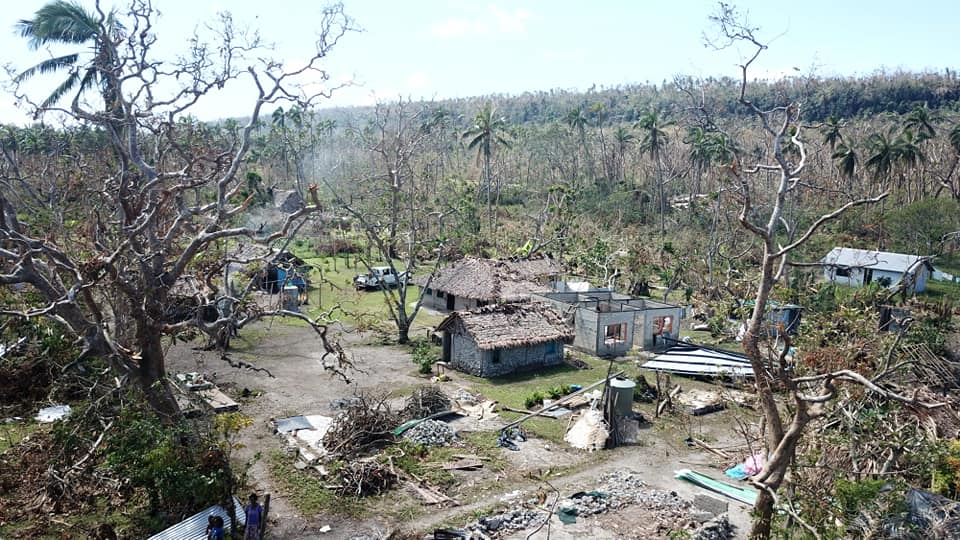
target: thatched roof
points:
(492, 280)
(505, 326)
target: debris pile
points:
(582, 504)
(718, 528)
(589, 432)
(365, 424)
(510, 437)
(365, 478)
(430, 433)
(624, 488)
(425, 401)
(515, 519)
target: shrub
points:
(424, 356)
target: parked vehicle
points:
(382, 276)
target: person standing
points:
(254, 514)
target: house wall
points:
(647, 319)
(466, 357)
(855, 279)
(433, 300)
(620, 348)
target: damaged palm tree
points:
(148, 194)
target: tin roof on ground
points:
(865, 258)
(511, 325)
(492, 280)
(693, 360)
(195, 526)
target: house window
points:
(663, 325)
(842, 272)
(495, 356)
(440, 294)
(428, 292)
(615, 334)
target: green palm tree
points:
(624, 139)
(487, 132)
(653, 140)
(831, 131)
(578, 120)
(68, 23)
(847, 160)
(883, 156)
(701, 151)
(921, 120)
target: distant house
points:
(608, 323)
(500, 339)
(859, 267)
(472, 282)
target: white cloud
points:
(510, 22)
(418, 81)
(495, 21)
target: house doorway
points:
(447, 346)
(451, 301)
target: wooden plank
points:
(218, 401)
(462, 464)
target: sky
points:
(436, 49)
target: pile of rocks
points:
(584, 504)
(430, 433)
(515, 519)
(625, 488)
(718, 528)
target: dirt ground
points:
(300, 386)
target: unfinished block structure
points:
(608, 323)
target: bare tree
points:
(154, 203)
(764, 219)
(396, 204)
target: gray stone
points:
(710, 504)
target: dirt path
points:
(300, 386)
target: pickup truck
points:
(381, 276)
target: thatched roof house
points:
(473, 282)
(500, 339)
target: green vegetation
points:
(307, 492)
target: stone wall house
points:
(500, 339)
(473, 282)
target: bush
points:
(424, 356)
(533, 400)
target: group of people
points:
(253, 511)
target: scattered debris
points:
(644, 392)
(430, 495)
(52, 414)
(515, 519)
(425, 401)
(509, 438)
(737, 493)
(217, 400)
(463, 465)
(718, 528)
(366, 423)
(431, 433)
(193, 381)
(582, 504)
(589, 432)
(306, 433)
(750, 467)
(365, 478)
(684, 359)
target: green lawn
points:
(511, 390)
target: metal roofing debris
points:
(195, 526)
(880, 260)
(737, 493)
(52, 414)
(293, 423)
(694, 360)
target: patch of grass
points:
(11, 434)
(703, 337)
(511, 391)
(939, 290)
(307, 492)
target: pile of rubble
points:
(624, 488)
(584, 504)
(430, 433)
(516, 519)
(718, 528)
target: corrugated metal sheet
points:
(195, 526)
(863, 258)
(692, 360)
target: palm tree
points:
(578, 120)
(487, 132)
(883, 156)
(831, 131)
(624, 139)
(847, 160)
(653, 141)
(921, 120)
(68, 23)
(701, 153)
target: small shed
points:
(859, 267)
(500, 339)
